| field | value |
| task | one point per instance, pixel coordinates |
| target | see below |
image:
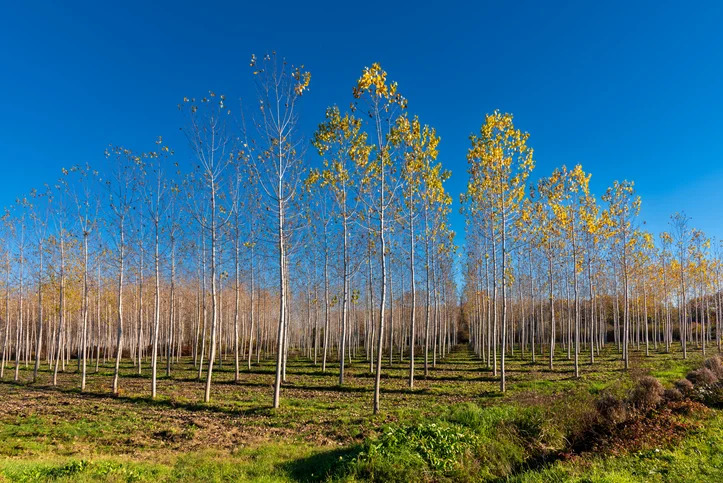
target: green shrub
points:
(410, 452)
(466, 443)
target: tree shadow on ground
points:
(138, 400)
(321, 466)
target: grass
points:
(696, 458)
(455, 420)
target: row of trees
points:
(549, 263)
(245, 252)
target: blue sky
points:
(629, 89)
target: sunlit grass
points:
(61, 434)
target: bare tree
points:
(278, 165)
(87, 210)
(680, 224)
(157, 204)
(209, 141)
(122, 195)
(39, 216)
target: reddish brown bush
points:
(611, 409)
(684, 386)
(701, 376)
(647, 394)
(672, 394)
(686, 406)
(715, 365)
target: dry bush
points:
(701, 376)
(687, 407)
(673, 394)
(647, 394)
(611, 409)
(715, 365)
(684, 386)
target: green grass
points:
(49, 433)
(696, 458)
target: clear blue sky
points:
(630, 90)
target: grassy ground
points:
(59, 433)
(697, 457)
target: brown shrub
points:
(611, 409)
(672, 394)
(701, 376)
(647, 394)
(684, 386)
(686, 406)
(715, 365)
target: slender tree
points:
(278, 166)
(500, 162)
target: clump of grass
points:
(467, 442)
(412, 451)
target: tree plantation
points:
(249, 254)
(267, 301)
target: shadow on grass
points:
(145, 400)
(322, 466)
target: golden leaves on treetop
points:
(302, 79)
(374, 81)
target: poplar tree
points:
(623, 208)
(422, 185)
(343, 143)
(500, 162)
(278, 167)
(382, 103)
